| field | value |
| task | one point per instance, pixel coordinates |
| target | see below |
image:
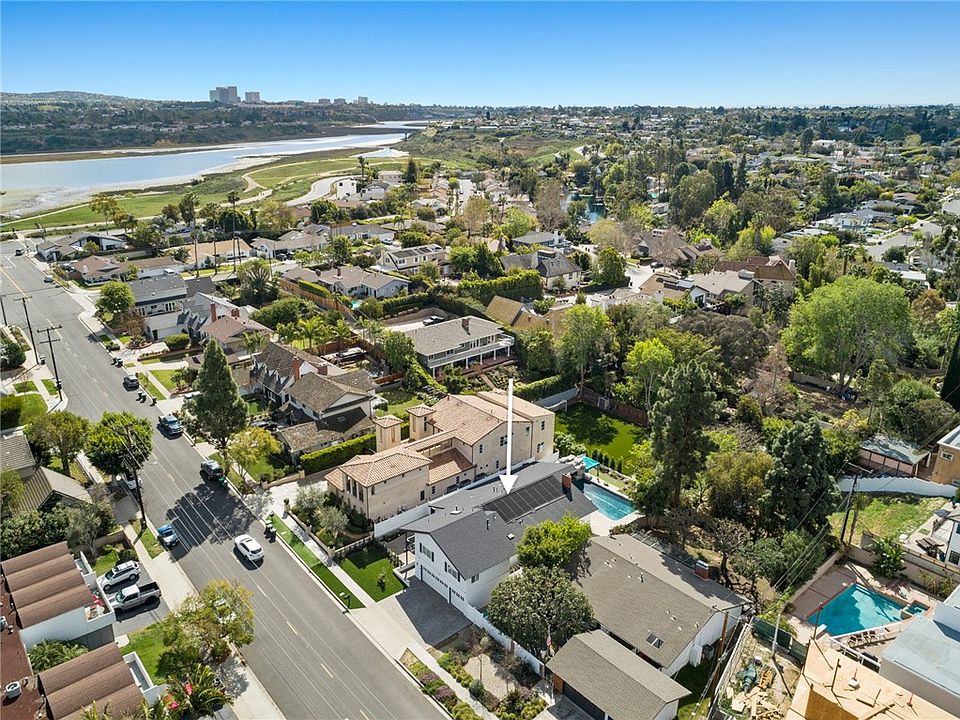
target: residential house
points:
(652, 604)
(68, 246)
(95, 270)
(458, 440)
(390, 177)
(47, 488)
(950, 531)
(770, 274)
(230, 333)
(617, 296)
(883, 452)
(361, 231)
(543, 239)
(666, 286)
(408, 261)
(325, 408)
(721, 287)
(203, 308)
(214, 254)
(56, 598)
(289, 243)
(465, 340)
(359, 283)
(521, 317)
(832, 685)
(925, 657)
(155, 266)
(158, 295)
(947, 467)
(557, 270)
(345, 186)
(277, 367)
(16, 455)
(669, 247)
(606, 680)
(468, 542)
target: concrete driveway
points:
(423, 614)
(139, 617)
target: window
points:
(423, 495)
(480, 449)
(433, 490)
(360, 493)
(498, 463)
(946, 456)
(543, 424)
(503, 440)
(426, 552)
(539, 447)
(955, 557)
(474, 578)
(373, 489)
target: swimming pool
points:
(608, 503)
(589, 463)
(857, 608)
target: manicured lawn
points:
(398, 402)
(32, 405)
(150, 361)
(165, 377)
(256, 405)
(27, 386)
(597, 430)
(366, 565)
(147, 384)
(316, 566)
(890, 515)
(148, 539)
(694, 679)
(148, 644)
(50, 385)
(105, 561)
(75, 472)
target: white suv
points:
(248, 547)
(121, 574)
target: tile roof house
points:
(668, 246)
(515, 314)
(407, 261)
(359, 283)
(465, 340)
(947, 467)
(556, 269)
(769, 273)
(95, 270)
(653, 604)
(605, 679)
(458, 440)
(101, 677)
(468, 541)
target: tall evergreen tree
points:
(218, 408)
(685, 406)
(800, 492)
(951, 381)
(740, 181)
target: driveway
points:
(426, 616)
(139, 617)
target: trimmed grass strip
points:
(366, 567)
(149, 540)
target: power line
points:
(23, 299)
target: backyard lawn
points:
(372, 570)
(597, 430)
(890, 515)
(148, 644)
(694, 679)
(31, 405)
(398, 402)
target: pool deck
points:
(836, 580)
(600, 524)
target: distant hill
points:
(63, 96)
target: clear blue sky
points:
(502, 53)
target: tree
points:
(257, 285)
(476, 213)
(806, 140)
(757, 559)
(30, 530)
(59, 432)
(539, 603)
(120, 441)
(12, 354)
(586, 338)
(253, 342)
(899, 405)
(877, 384)
(398, 350)
(736, 485)
(609, 233)
(85, 523)
(842, 327)
(644, 367)
(106, 205)
(800, 493)
(325, 211)
(50, 653)
(147, 235)
(516, 223)
(218, 408)
(552, 544)
(685, 406)
(951, 382)
(611, 268)
(887, 557)
(454, 379)
(722, 219)
(740, 345)
(926, 307)
(727, 536)
(250, 445)
(284, 310)
(116, 299)
(275, 216)
(330, 520)
(213, 619)
(412, 173)
(829, 195)
(537, 351)
(188, 207)
(692, 197)
(752, 241)
(11, 492)
(549, 205)
(170, 213)
(339, 250)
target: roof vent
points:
(655, 641)
(456, 510)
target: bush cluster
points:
(539, 389)
(337, 454)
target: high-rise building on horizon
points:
(323, 101)
(363, 100)
(225, 94)
(339, 101)
(251, 97)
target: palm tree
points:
(47, 654)
(233, 197)
(315, 331)
(846, 253)
(199, 695)
(341, 333)
(288, 332)
(253, 342)
(91, 713)
(155, 711)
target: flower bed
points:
(432, 685)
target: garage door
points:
(581, 702)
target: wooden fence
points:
(618, 409)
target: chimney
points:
(566, 480)
(338, 271)
(235, 312)
(213, 312)
(465, 322)
(295, 368)
(388, 432)
(322, 369)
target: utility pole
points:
(846, 514)
(132, 470)
(53, 357)
(26, 314)
(3, 310)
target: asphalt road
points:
(312, 659)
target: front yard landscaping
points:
(27, 386)
(16, 410)
(148, 644)
(372, 570)
(166, 378)
(147, 384)
(106, 559)
(148, 539)
(890, 515)
(599, 431)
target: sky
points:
(491, 53)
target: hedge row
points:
(313, 287)
(394, 305)
(525, 285)
(539, 389)
(458, 305)
(337, 454)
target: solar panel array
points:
(523, 501)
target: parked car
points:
(432, 320)
(167, 536)
(211, 470)
(48, 278)
(170, 425)
(18, 251)
(135, 596)
(248, 547)
(128, 479)
(131, 382)
(270, 425)
(120, 574)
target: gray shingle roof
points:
(547, 263)
(15, 453)
(321, 392)
(450, 334)
(614, 679)
(156, 288)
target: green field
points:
(597, 430)
(149, 646)
(32, 405)
(366, 567)
(890, 515)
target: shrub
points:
(445, 696)
(462, 711)
(10, 408)
(477, 690)
(394, 305)
(338, 454)
(178, 341)
(126, 554)
(524, 285)
(749, 413)
(540, 389)
(888, 557)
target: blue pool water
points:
(857, 608)
(608, 503)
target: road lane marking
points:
(293, 628)
(326, 670)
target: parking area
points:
(414, 321)
(138, 618)
(423, 614)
